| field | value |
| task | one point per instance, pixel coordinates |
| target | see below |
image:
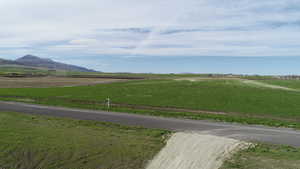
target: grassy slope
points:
(42, 142)
(20, 69)
(251, 104)
(219, 95)
(265, 157)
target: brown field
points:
(51, 81)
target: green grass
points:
(145, 75)
(241, 101)
(219, 95)
(7, 70)
(20, 69)
(265, 156)
(29, 141)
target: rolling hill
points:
(37, 62)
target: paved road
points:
(242, 132)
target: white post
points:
(108, 103)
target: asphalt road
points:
(242, 132)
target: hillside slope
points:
(37, 62)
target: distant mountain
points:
(34, 61)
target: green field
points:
(29, 141)
(39, 141)
(239, 101)
(44, 142)
(265, 156)
(6, 70)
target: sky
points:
(160, 36)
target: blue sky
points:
(243, 36)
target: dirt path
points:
(261, 84)
(242, 81)
(195, 151)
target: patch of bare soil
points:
(253, 83)
(195, 79)
(260, 84)
(195, 151)
(51, 82)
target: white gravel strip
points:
(261, 84)
(195, 151)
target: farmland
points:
(42, 82)
(29, 141)
(221, 99)
(47, 142)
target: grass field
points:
(265, 156)
(20, 69)
(236, 100)
(29, 141)
(42, 142)
(38, 141)
(7, 69)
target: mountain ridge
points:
(38, 62)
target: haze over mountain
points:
(5, 62)
(34, 61)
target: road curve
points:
(242, 132)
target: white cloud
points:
(83, 41)
(138, 27)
